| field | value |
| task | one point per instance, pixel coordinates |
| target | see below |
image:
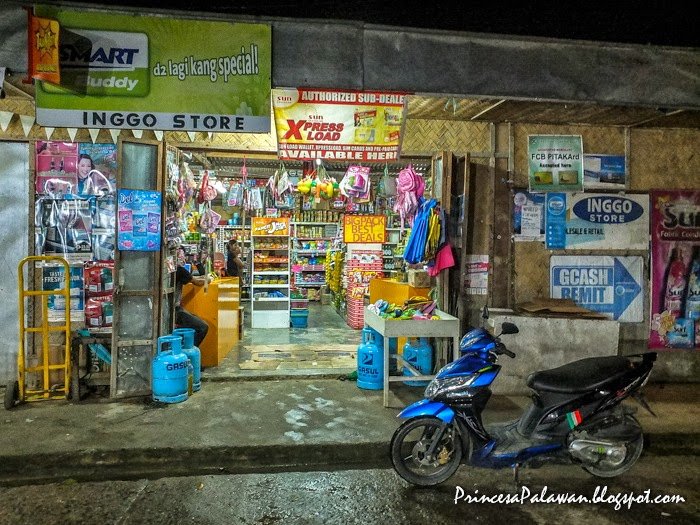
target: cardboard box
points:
(419, 278)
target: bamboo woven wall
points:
(425, 137)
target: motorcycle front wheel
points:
(410, 446)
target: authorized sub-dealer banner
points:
(583, 221)
(338, 125)
(144, 72)
(609, 285)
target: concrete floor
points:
(310, 348)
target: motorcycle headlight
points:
(448, 385)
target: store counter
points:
(446, 326)
(219, 305)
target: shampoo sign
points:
(597, 221)
(146, 72)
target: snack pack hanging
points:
(355, 183)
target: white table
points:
(446, 326)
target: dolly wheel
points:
(11, 394)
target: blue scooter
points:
(575, 416)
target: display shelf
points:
(269, 312)
(314, 285)
(308, 252)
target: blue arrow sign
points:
(599, 283)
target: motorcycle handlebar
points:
(501, 349)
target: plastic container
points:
(419, 355)
(193, 353)
(299, 318)
(169, 371)
(370, 361)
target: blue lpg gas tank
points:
(193, 354)
(169, 371)
(370, 361)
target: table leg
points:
(386, 372)
(455, 348)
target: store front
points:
(310, 283)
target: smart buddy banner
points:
(337, 125)
(144, 72)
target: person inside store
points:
(183, 318)
(234, 265)
(90, 180)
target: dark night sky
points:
(639, 22)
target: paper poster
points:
(604, 172)
(138, 220)
(555, 162)
(53, 278)
(528, 216)
(583, 221)
(97, 169)
(56, 168)
(476, 278)
(64, 228)
(675, 269)
(609, 285)
(338, 125)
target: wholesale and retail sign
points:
(555, 162)
(364, 229)
(270, 226)
(583, 221)
(338, 125)
(138, 220)
(609, 285)
(146, 72)
(675, 269)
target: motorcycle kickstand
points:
(516, 474)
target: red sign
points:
(42, 42)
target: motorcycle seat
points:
(580, 376)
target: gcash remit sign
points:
(143, 72)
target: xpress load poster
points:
(675, 269)
(147, 72)
(338, 125)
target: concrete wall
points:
(14, 240)
(347, 55)
(544, 343)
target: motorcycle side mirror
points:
(509, 328)
(485, 312)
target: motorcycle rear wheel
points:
(634, 450)
(412, 440)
